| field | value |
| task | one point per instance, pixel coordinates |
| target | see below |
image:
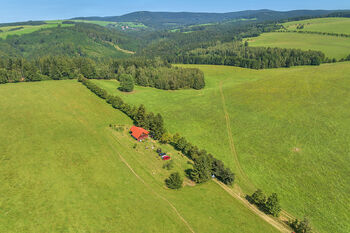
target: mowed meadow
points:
(290, 128)
(63, 169)
(332, 25)
(27, 29)
(332, 46)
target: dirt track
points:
(155, 193)
(279, 226)
(245, 178)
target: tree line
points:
(204, 164)
(319, 33)
(145, 72)
(242, 55)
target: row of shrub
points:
(319, 33)
(205, 165)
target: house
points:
(139, 133)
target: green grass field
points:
(331, 46)
(63, 169)
(332, 25)
(29, 29)
(290, 128)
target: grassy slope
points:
(272, 112)
(332, 46)
(334, 25)
(115, 24)
(60, 171)
(29, 29)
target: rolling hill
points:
(68, 39)
(328, 25)
(289, 128)
(331, 46)
(64, 169)
(175, 19)
(313, 35)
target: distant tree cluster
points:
(15, 29)
(268, 205)
(240, 54)
(159, 74)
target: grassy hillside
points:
(11, 30)
(332, 46)
(64, 170)
(290, 129)
(85, 40)
(331, 25)
(116, 25)
(171, 20)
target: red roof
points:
(138, 132)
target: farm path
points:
(231, 142)
(153, 191)
(279, 226)
(242, 174)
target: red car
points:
(165, 157)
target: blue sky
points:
(22, 10)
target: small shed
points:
(139, 133)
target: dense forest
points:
(240, 54)
(174, 43)
(159, 74)
(153, 73)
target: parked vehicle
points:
(165, 157)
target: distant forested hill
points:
(86, 40)
(175, 19)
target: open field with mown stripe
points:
(290, 129)
(63, 169)
(331, 46)
(331, 25)
(6, 31)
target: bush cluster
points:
(174, 181)
(268, 205)
(301, 226)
